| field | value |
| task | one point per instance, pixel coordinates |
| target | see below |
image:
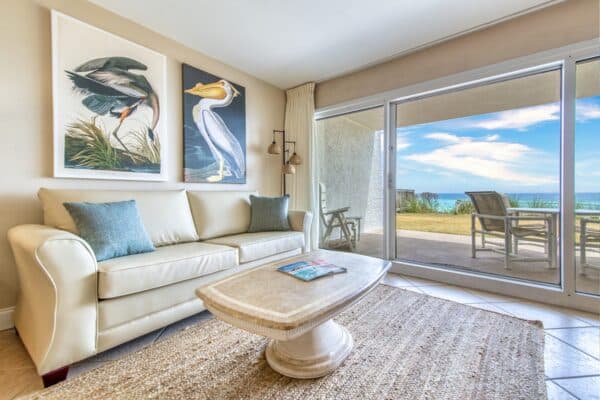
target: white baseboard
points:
(6, 318)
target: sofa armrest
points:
(301, 221)
(56, 313)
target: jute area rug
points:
(407, 346)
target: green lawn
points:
(440, 223)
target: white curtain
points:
(299, 126)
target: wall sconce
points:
(288, 163)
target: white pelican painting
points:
(214, 128)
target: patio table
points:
(553, 213)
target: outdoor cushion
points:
(166, 265)
(166, 214)
(529, 230)
(254, 246)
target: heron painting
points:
(107, 104)
(214, 114)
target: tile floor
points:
(454, 251)
(572, 352)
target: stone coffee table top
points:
(274, 300)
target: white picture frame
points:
(113, 134)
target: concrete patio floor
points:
(454, 251)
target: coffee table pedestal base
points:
(313, 354)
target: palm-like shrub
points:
(426, 202)
(463, 207)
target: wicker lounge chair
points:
(495, 221)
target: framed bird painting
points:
(109, 97)
(214, 128)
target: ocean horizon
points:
(583, 200)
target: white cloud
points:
(587, 174)
(588, 167)
(444, 137)
(402, 141)
(502, 161)
(521, 118)
(401, 144)
(587, 111)
(492, 138)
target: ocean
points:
(447, 201)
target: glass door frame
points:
(564, 58)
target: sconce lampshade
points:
(295, 159)
(288, 169)
(274, 148)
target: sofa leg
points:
(53, 377)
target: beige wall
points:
(26, 115)
(565, 23)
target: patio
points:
(454, 251)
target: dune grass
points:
(95, 150)
(146, 149)
(87, 144)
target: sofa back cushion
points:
(220, 213)
(166, 214)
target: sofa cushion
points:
(166, 265)
(121, 310)
(218, 214)
(254, 246)
(111, 229)
(269, 213)
(166, 214)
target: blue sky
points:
(514, 151)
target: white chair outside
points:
(331, 219)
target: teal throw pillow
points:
(111, 229)
(269, 214)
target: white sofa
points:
(71, 307)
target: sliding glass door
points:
(587, 177)
(486, 179)
(350, 186)
(478, 178)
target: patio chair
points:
(495, 221)
(589, 238)
(331, 219)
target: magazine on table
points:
(311, 270)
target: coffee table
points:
(296, 315)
